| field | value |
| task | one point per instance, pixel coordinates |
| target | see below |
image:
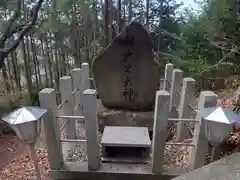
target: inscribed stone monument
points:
(125, 74)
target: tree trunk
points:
(7, 85)
(147, 14)
(49, 62)
(106, 22)
(75, 39)
(26, 70)
(130, 11)
(46, 84)
(16, 70)
(34, 63)
(55, 51)
(9, 67)
(160, 34)
(119, 16)
(63, 60)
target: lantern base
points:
(34, 158)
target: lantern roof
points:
(24, 115)
(220, 115)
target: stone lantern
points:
(219, 123)
(26, 122)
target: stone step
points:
(125, 160)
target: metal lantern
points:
(26, 123)
(218, 123)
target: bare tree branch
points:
(220, 61)
(7, 32)
(22, 29)
(26, 29)
(225, 48)
(15, 29)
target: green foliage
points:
(203, 37)
(74, 29)
(8, 4)
(164, 21)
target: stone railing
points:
(78, 102)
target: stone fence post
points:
(85, 77)
(77, 86)
(168, 77)
(91, 127)
(237, 97)
(197, 154)
(175, 92)
(66, 95)
(160, 130)
(47, 98)
(187, 94)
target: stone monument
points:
(125, 74)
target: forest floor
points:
(15, 162)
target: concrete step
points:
(123, 160)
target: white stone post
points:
(91, 127)
(160, 130)
(47, 98)
(187, 94)
(175, 93)
(197, 155)
(85, 76)
(168, 77)
(77, 84)
(237, 97)
(66, 95)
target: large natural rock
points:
(125, 74)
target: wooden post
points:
(85, 76)
(198, 153)
(77, 84)
(175, 95)
(47, 98)
(160, 130)
(91, 127)
(168, 77)
(188, 90)
(66, 95)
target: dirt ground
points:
(15, 161)
(10, 149)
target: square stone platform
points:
(125, 144)
(122, 136)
